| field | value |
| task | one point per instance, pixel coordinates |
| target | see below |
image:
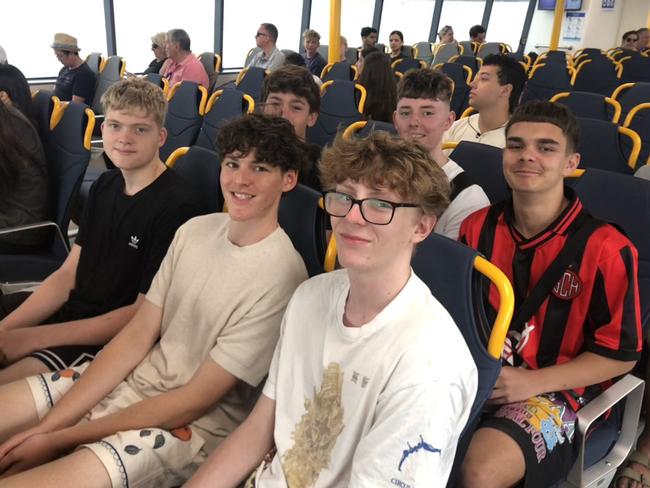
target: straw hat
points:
(65, 42)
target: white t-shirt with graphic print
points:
(377, 405)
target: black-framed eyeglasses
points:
(261, 34)
(373, 210)
(154, 46)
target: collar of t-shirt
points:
(389, 315)
(558, 227)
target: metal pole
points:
(218, 28)
(109, 19)
(487, 13)
(334, 51)
(435, 21)
(376, 18)
(557, 25)
(304, 22)
(527, 23)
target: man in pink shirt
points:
(181, 64)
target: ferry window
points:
(507, 21)
(137, 21)
(411, 17)
(461, 15)
(355, 14)
(27, 33)
(243, 17)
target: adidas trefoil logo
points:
(134, 242)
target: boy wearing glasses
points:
(360, 392)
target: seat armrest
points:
(629, 388)
(60, 245)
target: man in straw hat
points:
(76, 81)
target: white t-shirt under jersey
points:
(377, 405)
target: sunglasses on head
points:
(154, 46)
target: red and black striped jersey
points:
(593, 307)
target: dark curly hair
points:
(273, 139)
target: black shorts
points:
(543, 427)
(55, 358)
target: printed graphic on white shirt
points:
(316, 433)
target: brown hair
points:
(135, 94)
(385, 161)
(273, 139)
(425, 83)
(551, 113)
(296, 80)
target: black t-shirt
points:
(123, 240)
(154, 66)
(309, 176)
(79, 82)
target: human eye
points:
(113, 125)
(513, 145)
(380, 205)
(428, 113)
(141, 130)
(547, 148)
(261, 168)
(231, 164)
(404, 113)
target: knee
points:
(476, 472)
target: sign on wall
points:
(573, 26)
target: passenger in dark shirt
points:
(313, 60)
(76, 81)
(158, 48)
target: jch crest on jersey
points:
(568, 287)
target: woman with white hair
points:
(158, 48)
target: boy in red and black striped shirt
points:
(587, 328)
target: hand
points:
(15, 344)
(34, 450)
(514, 385)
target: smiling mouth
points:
(241, 196)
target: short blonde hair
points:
(159, 39)
(136, 94)
(311, 34)
(385, 161)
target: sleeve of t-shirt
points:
(614, 328)
(162, 280)
(413, 438)
(245, 348)
(84, 85)
(276, 62)
(467, 202)
(163, 232)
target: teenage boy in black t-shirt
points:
(129, 221)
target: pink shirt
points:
(190, 69)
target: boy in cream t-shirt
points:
(182, 374)
(371, 382)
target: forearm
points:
(584, 370)
(118, 358)
(97, 330)
(45, 301)
(241, 452)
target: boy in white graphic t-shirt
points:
(371, 383)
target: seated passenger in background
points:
(495, 94)
(378, 79)
(129, 220)
(297, 60)
(158, 48)
(396, 43)
(630, 41)
(314, 61)
(644, 39)
(423, 114)
(368, 37)
(569, 336)
(363, 53)
(76, 81)
(445, 36)
(181, 64)
(23, 177)
(360, 391)
(476, 34)
(183, 373)
(269, 57)
(15, 92)
(291, 93)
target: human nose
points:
(354, 214)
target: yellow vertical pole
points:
(557, 25)
(335, 32)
